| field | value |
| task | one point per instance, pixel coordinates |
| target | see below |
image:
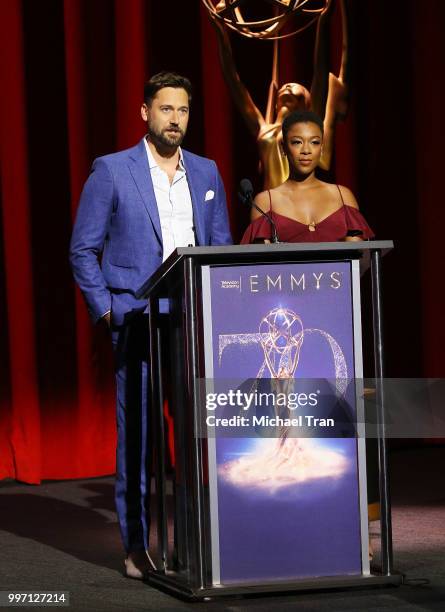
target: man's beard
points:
(166, 138)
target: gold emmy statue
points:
(328, 95)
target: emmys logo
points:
(291, 282)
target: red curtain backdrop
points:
(71, 77)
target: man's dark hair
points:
(165, 79)
(300, 117)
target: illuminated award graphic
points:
(289, 459)
(290, 499)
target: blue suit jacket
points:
(117, 242)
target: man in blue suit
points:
(137, 206)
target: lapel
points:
(193, 177)
(140, 172)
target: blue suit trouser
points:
(132, 492)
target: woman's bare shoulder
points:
(348, 197)
(262, 200)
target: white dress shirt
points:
(174, 205)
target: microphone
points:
(245, 194)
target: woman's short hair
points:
(300, 117)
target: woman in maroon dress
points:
(304, 208)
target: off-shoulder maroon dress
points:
(331, 229)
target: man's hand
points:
(107, 318)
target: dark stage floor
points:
(64, 536)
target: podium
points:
(249, 507)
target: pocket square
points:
(209, 195)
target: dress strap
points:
(341, 195)
(270, 200)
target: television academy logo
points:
(231, 284)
